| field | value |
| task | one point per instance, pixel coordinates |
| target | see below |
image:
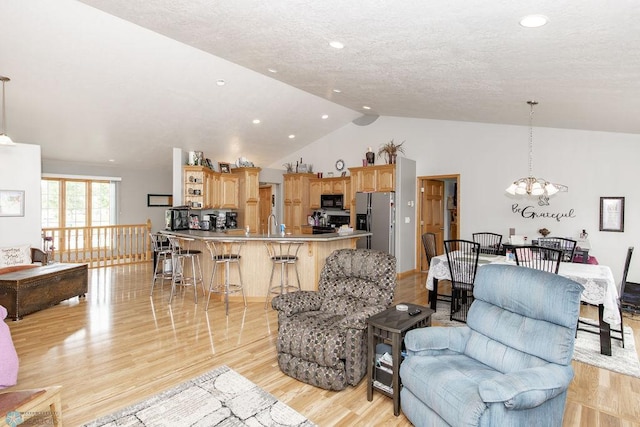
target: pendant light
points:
(4, 139)
(532, 186)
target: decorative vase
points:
(371, 157)
(391, 158)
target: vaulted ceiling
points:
(124, 80)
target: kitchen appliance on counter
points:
(231, 220)
(176, 218)
(376, 213)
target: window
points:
(68, 202)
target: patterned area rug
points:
(219, 397)
(586, 349)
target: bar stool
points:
(161, 254)
(285, 254)
(181, 254)
(225, 252)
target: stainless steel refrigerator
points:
(376, 213)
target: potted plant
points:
(391, 150)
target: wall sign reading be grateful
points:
(530, 212)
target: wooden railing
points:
(99, 246)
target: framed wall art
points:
(11, 203)
(224, 167)
(159, 200)
(612, 214)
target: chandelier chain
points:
(531, 104)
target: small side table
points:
(390, 326)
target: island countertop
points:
(255, 262)
(239, 234)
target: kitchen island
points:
(256, 264)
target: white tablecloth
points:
(599, 284)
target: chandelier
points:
(4, 139)
(532, 186)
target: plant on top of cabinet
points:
(391, 150)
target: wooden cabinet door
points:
(251, 213)
(327, 187)
(368, 182)
(252, 185)
(229, 191)
(288, 188)
(346, 184)
(337, 186)
(315, 190)
(386, 178)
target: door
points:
(266, 207)
(432, 216)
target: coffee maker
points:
(232, 220)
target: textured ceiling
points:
(440, 59)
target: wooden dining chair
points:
(462, 257)
(539, 258)
(489, 242)
(567, 246)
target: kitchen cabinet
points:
(228, 196)
(248, 197)
(206, 189)
(373, 178)
(336, 185)
(296, 200)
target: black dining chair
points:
(593, 328)
(539, 258)
(429, 244)
(489, 242)
(567, 246)
(462, 257)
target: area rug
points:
(219, 397)
(586, 349)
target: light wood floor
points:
(119, 346)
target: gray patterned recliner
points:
(322, 335)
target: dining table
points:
(600, 288)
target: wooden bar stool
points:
(182, 255)
(285, 254)
(225, 252)
(161, 254)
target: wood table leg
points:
(605, 332)
(433, 295)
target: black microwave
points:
(331, 201)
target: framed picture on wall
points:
(224, 167)
(11, 203)
(612, 214)
(159, 200)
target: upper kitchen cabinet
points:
(335, 185)
(248, 197)
(370, 179)
(206, 189)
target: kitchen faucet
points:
(275, 224)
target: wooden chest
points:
(28, 291)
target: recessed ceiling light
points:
(292, 136)
(112, 160)
(337, 90)
(336, 44)
(220, 82)
(366, 107)
(256, 121)
(534, 21)
(325, 116)
(272, 70)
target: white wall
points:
(488, 157)
(20, 170)
(133, 189)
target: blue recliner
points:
(509, 366)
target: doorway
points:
(438, 212)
